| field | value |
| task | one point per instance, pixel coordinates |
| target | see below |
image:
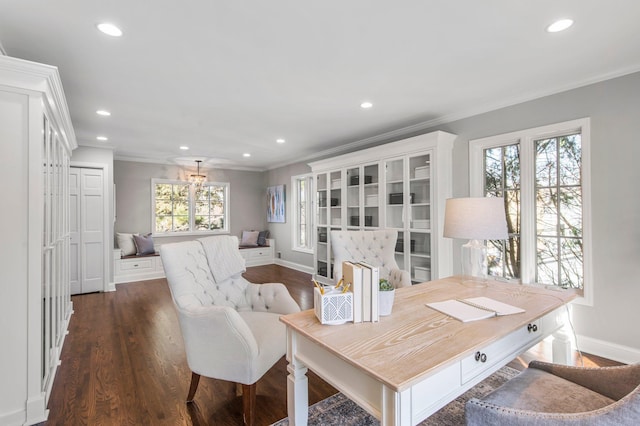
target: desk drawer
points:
(508, 346)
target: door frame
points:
(107, 284)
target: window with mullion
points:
(502, 179)
(179, 207)
(302, 217)
(559, 251)
(543, 176)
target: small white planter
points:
(385, 302)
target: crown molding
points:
(428, 125)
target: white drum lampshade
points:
(476, 219)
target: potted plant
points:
(385, 297)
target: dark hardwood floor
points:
(123, 363)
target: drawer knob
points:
(482, 357)
(532, 328)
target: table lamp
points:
(475, 219)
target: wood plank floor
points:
(123, 362)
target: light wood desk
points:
(417, 360)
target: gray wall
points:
(614, 109)
(133, 196)
(282, 232)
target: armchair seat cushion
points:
(531, 391)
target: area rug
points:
(338, 410)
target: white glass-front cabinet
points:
(37, 140)
(408, 206)
(400, 185)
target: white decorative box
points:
(335, 183)
(334, 307)
(421, 274)
(421, 223)
(371, 200)
(422, 172)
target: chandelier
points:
(197, 180)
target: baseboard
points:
(296, 266)
(13, 418)
(620, 353)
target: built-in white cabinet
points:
(35, 303)
(401, 185)
(257, 256)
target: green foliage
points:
(385, 285)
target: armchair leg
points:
(249, 404)
(195, 379)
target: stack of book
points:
(363, 280)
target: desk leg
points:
(396, 407)
(297, 385)
(561, 348)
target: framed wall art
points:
(276, 204)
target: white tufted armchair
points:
(374, 247)
(230, 327)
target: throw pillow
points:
(126, 244)
(144, 244)
(262, 238)
(249, 239)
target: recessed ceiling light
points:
(280, 140)
(102, 138)
(103, 112)
(246, 154)
(109, 29)
(560, 25)
(366, 105)
(184, 148)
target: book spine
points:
(366, 293)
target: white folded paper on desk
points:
(475, 308)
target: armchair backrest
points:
(191, 281)
(374, 247)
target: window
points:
(302, 218)
(543, 176)
(179, 207)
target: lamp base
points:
(474, 264)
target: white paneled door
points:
(86, 189)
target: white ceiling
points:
(229, 77)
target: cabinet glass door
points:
(420, 217)
(420, 192)
(335, 198)
(371, 195)
(322, 201)
(394, 193)
(353, 197)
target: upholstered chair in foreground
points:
(551, 394)
(230, 327)
(374, 247)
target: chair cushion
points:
(539, 391)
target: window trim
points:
(527, 138)
(227, 218)
(295, 225)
